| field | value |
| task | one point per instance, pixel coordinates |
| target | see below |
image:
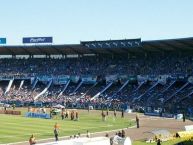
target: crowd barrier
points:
(166, 115)
(38, 115)
(151, 114)
(11, 112)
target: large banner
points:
(44, 78)
(89, 79)
(37, 40)
(142, 78)
(74, 79)
(2, 40)
(38, 115)
(61, 80)
(162, 79)
(111, 78)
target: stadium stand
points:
(148, 75)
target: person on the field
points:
(122, 113)
(87, 134)
(103, 116)
(137, 120)
(107, 111)
(111, 141)
(158, 142)
(184, 117)
(66, 114)
(13, 106)
(29, 109)
(43, 110)
(56, 126)
(56, 134)
(51, 111)
(119, 134)
(123, 134)
(32, 140)
(115, 113)
(72, 115)
(77, 118)
(62, 114)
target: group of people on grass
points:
(114, 114)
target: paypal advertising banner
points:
(37, 40)
(2, 40)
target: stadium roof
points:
(169, 45)
(101, 47)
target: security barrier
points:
(11, 112)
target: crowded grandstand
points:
(147, 76)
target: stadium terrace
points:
(101, 74)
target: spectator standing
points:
(77, 116)
(115, 113)
(123, 133)
(87, 134)
(32, 140)
(137, 120)
(184, 117)
(103, 116)
(158, 142)
(62, 114)
(122, 113)
(56, 134)
(13, 106)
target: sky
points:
(72, 21)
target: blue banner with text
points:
(37, 40)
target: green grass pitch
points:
(19, 128)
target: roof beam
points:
(25, 49)
(89, 49)
(76, 52)
(158, 47)
(99, 51)
(58, 50)
(153, 47)
(185, 44)
(172, 46)
(126, 50)
(92, 50)
(42, 51)
(110, 50)
(11, 51)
